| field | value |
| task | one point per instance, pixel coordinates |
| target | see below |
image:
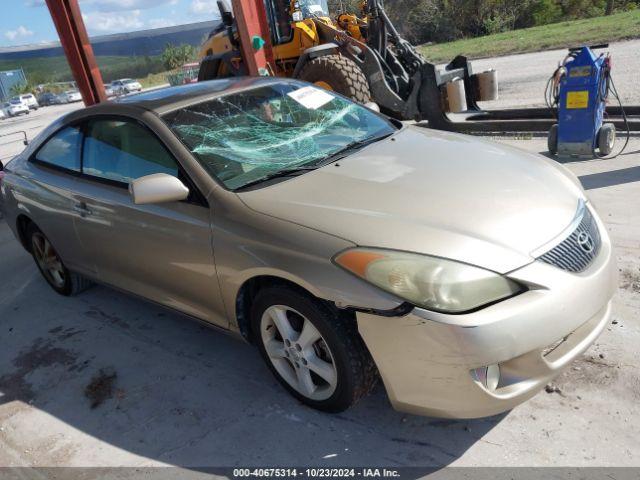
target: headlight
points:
(429, 282)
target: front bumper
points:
(427, 359)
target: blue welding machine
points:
(578, 91)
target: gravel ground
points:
(522, 78)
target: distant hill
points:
(140, 43)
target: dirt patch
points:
(40, 354)
(101, 387)
(588, 370)
(95, 312)
(630, 280)
(64, 334)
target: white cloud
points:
(112, 5)
(120, 5)
(19, 32)
(204, 7)
(161, 22)
(104, 22)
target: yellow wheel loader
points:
(360, 56)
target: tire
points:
(552, 139)
(337, 347)
(65, 283)
(340, 73)
(606, 139)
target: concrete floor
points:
(190, 396)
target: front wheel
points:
(606, 139)
(337, 73)
(552, 139)
(314, 352)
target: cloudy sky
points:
(28, 21)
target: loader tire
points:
(339, 74)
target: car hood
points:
(436, 193)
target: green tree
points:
(175, 56)
(22, 88)
(543, 12)
(344, 6)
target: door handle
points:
(82, 209)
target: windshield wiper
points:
(285, 172)
(288, 172)
(350, 147)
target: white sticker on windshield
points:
(311, 97)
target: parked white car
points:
(29, 100)
(71, 96)
(2, 115)
(125, 85)
(13, 108)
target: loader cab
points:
(279, 13)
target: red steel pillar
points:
(251, 18)
(77, 48)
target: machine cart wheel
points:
(552, 139)
(337, 73)
(606, 138)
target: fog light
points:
(488, 376)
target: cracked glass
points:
(244, 136)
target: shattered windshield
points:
(242, 137)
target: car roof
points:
(164, 100)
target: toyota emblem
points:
(585, 242)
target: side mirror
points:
(372, 106)
(157, 188)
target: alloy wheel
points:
(298, 352)
(48, 260)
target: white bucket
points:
(456, 98)
(487, 84)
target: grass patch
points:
(154, 79)
(621, 26)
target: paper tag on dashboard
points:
(311, 97)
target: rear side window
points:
(123, 151)
(62, 150)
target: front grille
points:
(576, 252)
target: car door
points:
(160, 251)
(47, 197)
